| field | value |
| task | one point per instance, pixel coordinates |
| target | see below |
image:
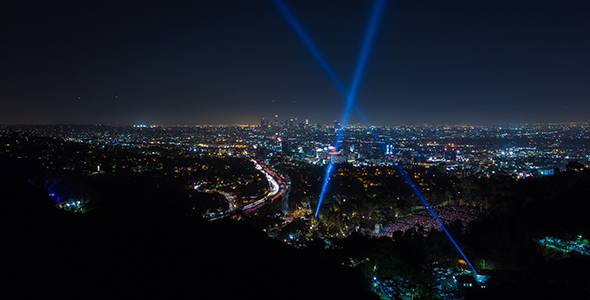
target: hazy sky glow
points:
(228, 62)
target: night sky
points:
(234, 62)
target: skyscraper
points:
(389, 150)
(450, 154)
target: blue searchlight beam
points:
(417, 192)
(404, 174)
(315, 52)
(350, 97)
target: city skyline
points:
(220, 62)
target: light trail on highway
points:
(277, 187)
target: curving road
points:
(277, 186)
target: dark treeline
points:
(551, 205)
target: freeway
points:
(277, 186)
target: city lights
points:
(350, 96)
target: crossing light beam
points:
(350, 99)
(352, 93)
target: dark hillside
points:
(152, 251)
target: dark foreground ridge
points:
(152, 251)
